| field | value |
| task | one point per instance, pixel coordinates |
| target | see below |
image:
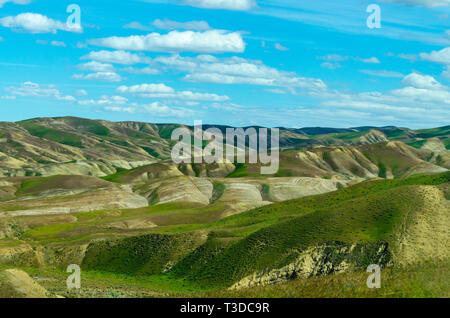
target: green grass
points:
(434, 132)
(142, 255)
(366, 220)
(416, 143)
(49, 231)
(52, 134)
(151, 151)
(87, 125)
(176, 255)
(382, 170)
(395, 133)
(428, 280)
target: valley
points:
(106, 196)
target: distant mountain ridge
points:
(71, 145)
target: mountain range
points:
(106, 196)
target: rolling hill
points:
(106, 196)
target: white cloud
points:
(409, 57)
(136, 26)
(146, 70)
(240, 5)
(442, 56)
(81, 92)
(372, 60)
(58, 43)
(166, 111)
(130, 110)
(105, 101)
(382, 73)
(95, 66)
(30, 89)
(8, 97)
(145, 88)
(22, 2)
(446, 73)
(164, 91)
(155, 109)
(167, 24)
(340, 58)
(280, 47)
(99, 76)
(426, 3)
(331, 66)
(213, 41)
(333, 58)
(236, 70)
(422, 99)
(420, 81)
(37, 23)
(81, 45)
(116, 57)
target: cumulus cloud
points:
(99, 76)
(212, 41)
(155, 109)
(333, 58)
(22, 2)
(240, 5)
(36, 23)
(425, 3)
(409, 57)
(116, 57)
(331, 66)
(422, 97)
(164, 91)
(136, 26)
(341, 58)
(420, 81)
(145, 88)
(442, 56)
(382, 73)
(280, 47)
(105, 101)
(30, 89)
(167, 24)
(58, 43)
(81, 92)
(95, 66)
(145, 70)
(372, 60)
(236, 70)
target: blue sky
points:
(238, 62)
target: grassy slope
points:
(365, 212)
(52, 134)
(372, 218)
(423, 280)
(37, 185)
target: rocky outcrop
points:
(325, 259)
(15, 283)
